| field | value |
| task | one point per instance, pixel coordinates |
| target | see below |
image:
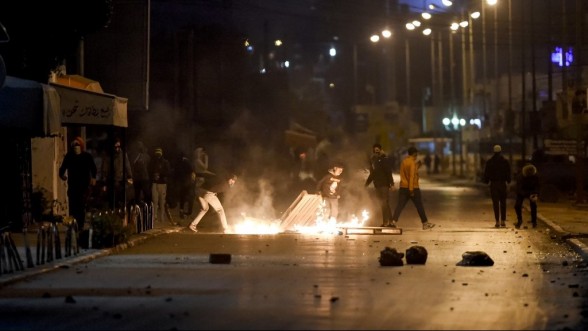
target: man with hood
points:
(81, 175)
(160, 170)
(117, 172)
(527, 184)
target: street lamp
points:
(455, 126)
(376, 38)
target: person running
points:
(409, 189)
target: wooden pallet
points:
(346, 230)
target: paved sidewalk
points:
(84, 255)
(563, 219)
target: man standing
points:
(160, 171)
(117, 172)
(381, 176)
(497, 174)
(141, 179)
(185, 182)
(81, 174)
(409, 189)
(329, 187)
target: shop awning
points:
(84, 107)
(29, 107)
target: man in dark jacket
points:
(329, 187)
(497, 174)
(81, 174)
(141, 179)
(527, 188)
(381, 176)
(185, 182)
(160, 170)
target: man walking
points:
(409, 189)
(528, 183)
(497, 174)
(81, 176)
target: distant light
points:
(562, 59)
(278, 43)
(491, 2)
(249, 49)
(446, 121)
(332, 52)
(287, 64)
(426, 16)
(464, 24)
(462, 122)
(475, 15)
(416, 23)
(386, 33)
(427, 31)
(454, 26)
(332, 85)
(476, 122)
(447, 3)
(455, 121)
(432, 7)
(410, 26)
(262, 71)
(375, 38)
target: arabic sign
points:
(91, 108)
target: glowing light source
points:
(332, 51)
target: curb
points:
(577, 245)
(85, 256)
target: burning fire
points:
(251, 225)
(322, 225)
(331, 226)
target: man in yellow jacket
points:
(409, 188)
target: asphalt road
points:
(295, 281)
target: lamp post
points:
(386, 34)
(455, 126)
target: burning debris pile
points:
(304, 215)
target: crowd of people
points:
(116, 179)
(102, 178)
